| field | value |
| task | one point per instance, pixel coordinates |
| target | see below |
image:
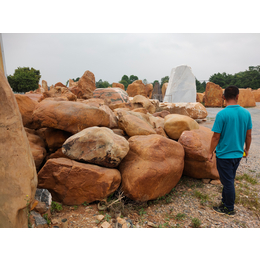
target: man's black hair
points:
(231, 92)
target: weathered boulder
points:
(112, 116)
(160, 131)
(118, 85)
(256, 94)
(112, 96)
(37, 146)
(156, 103)
(162, 114)
(59, 84)
(69, 116)
(44, 85)
(152, 167)
(196, 144)
(140, 110)
(34, 96)
(213, 95)
(156, 121)
(57, 154)
(87, 84)
(246, 98)
(200, 97)
(175, 124)
(136, 88)
(140, 101)
(97, 145)
(149, 90)
(134, 125)
(194, 110)
(59, 92)
(181, 86)
(164, 88)
(94, 102)
(72, 83)
(26, 107)
(18, 177)
(74, 183)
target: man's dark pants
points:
(227, 173)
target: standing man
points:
(232, 129)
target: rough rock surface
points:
(256, 94)
(181, 86)
(112, 96)
(200, 97)
(213, 95)
(149, 90)
(34, 96)
(97, 145)
(140, 101)
(194, 110)
(136, 88)
(175, 124)
(59, 91)
(87, 85)
(246, 98)
(162, 114)
(55, 138)
(37, 146)
(164, 88)
(196, 144)
(74, 183)
(26, 107)
(18, 177)
(152, 168)
(69, 116)
(118, 85)
(112, 116)
(134, 125)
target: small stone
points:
(55, 221)
(151, 224)
(121, 221)
(206, 181)
(100, 217)
(41, 207)
(215, 182)
(105, 225)
(40, 222)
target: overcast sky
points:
(111, 55)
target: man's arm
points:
(214, 142)
(248, 141)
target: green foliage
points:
(203, 197)
(24, 79)
(142, 212)
(102, 84)
(164, 80)
(55, 206)
(107, 217)
(180, 216)
(85, 203)
(196, 222)
(247, 178)
(45, 216)
(125, 80)
(155, 82)
(245, 79)
(200, 87)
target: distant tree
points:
(145, 81)
(200, 87)
(132, 78)
(164, 80)
(155, 82)
(102, 84)
(24, 79)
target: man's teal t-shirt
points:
(232, 124)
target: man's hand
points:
(210, 157)
(246, 152)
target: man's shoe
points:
(224, 210)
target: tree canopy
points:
(164, 80)
(102, 84)
(200, 87)
(244, 79)
(24, 79)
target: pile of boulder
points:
(213, 96)
(86, 143)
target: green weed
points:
(196, 222)
(180, 216)
(55, 206)
(247, 178)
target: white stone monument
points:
(182, 85)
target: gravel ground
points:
(190, 203)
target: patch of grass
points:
(55, 206)
(195, 222)
(142, 212)
(180, 216)
(203, 197)
(85, 204)
(45, 216)
(75, 207)
(247, 178)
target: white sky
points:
(143, 38)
